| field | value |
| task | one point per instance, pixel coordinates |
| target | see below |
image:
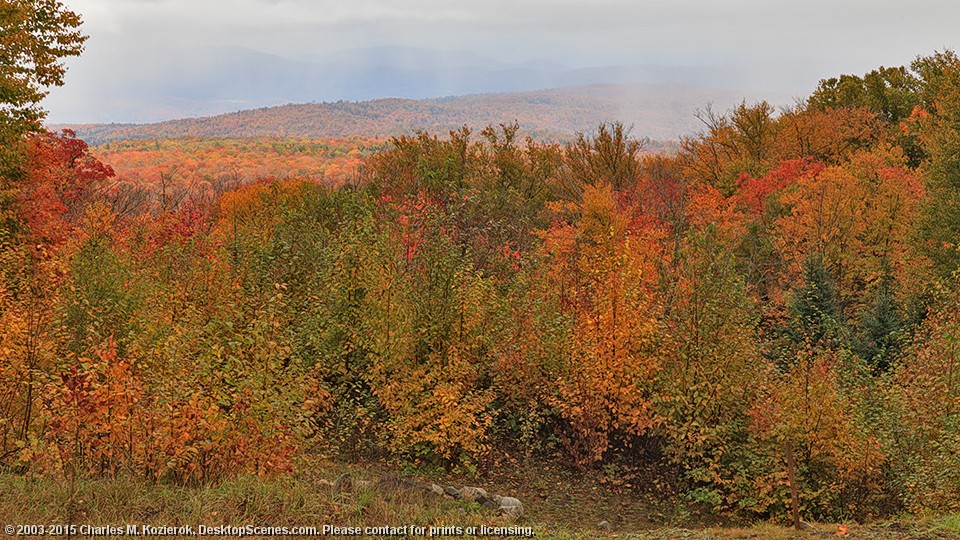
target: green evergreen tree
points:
(881, 329)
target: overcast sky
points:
(777, 45)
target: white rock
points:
(510, 506)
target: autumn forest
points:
(185, 310)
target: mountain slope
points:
(657, 111)
(181, 81)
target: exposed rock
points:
(604, 525)
(510, 506)
(343, 483)
(474, 494)
(389, 482)
(410, 483)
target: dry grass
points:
(237, 502)
(311, 500)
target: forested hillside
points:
(783, 281)
(659, 112)
(167, 172)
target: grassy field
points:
(311, 499)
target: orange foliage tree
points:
(604, 269)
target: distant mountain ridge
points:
(178, 81)
(656, 111)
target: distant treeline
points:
(659, 112)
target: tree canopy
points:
(35, 37)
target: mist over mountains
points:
(662, 112)
(199, 82)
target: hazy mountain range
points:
(192, 83)
(661, 112)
